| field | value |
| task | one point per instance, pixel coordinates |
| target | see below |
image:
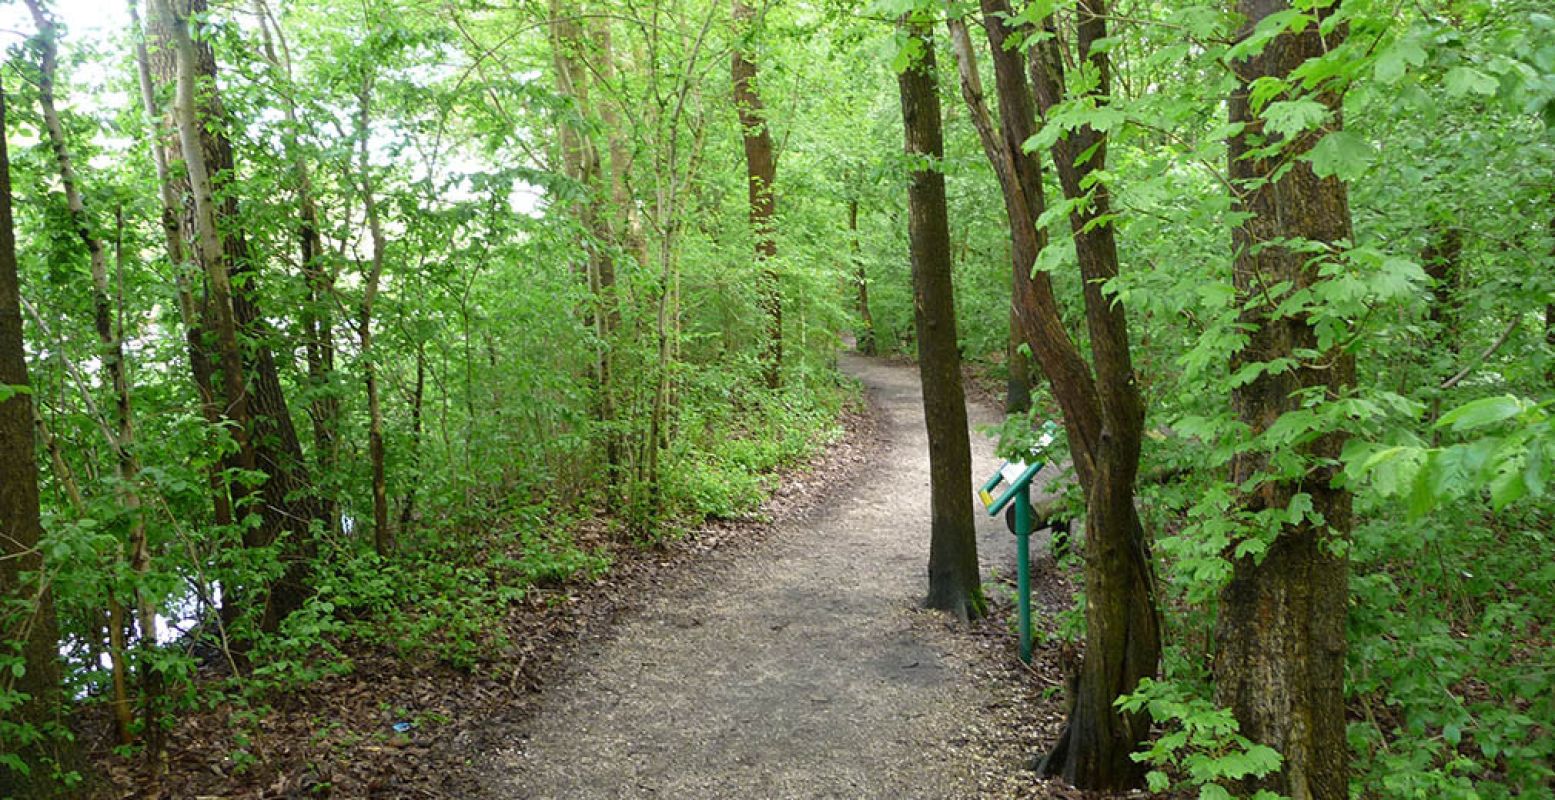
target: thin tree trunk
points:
(33, 625)
(866, 341)
(1549, 320)
(1122, 635)
(127, 463)
(581, 162)
(1441, 260)
(174, 235)
(761, 178)
(317, 322)
(407, 510)
(1281, 630)
(954, 583)
(383, 536)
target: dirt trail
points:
(799, 669)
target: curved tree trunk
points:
(1103, 413)
(383, 536)
(317, 321)
(1281, 631)
(122, 438)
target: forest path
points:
(800, 668)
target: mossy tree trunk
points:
(1281, 630)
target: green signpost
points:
(1018, 475)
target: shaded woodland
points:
(333, 332)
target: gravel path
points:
(800, 668)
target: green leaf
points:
(1534, 468)
(1396, 60)
(1507, 488)
(1290, 117)
(10, 390)
(1461, 81)
(1340, 154)
(1213, 791)
(1481, 412)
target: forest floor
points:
(802, 667)
(782, 655)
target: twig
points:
(1489, 351)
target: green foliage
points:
(1200, 743)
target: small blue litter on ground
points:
(402, 727)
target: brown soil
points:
(803, 668)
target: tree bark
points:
(408, 508)
(287, 504)
(1441, 260)
(582, 163)
(954, 584)
(317, 321)
(174, 233)
(761, 178)
(1105, 422)
(126, 462)
(867, 344)
(23, 581)
(383, 535)
(1281, 631)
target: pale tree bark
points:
(175, 233)
(761, 179)
(954, 583)
(582, 163)
(1281, 631)
(1020, 183)
(286, 502)
(23, 578)
(626, 221)
(669, 117)
(127, 462)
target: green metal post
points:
(1023, 569)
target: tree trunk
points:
(287, 503)
(761, 177)
(954, 584)
(1281, 631)
(581, 162)
(1105, 421)
(383, 536)
(1549, 321)
(174, 233)
(1017, 384)
(866, 339)
(22, 580)
(408, 509)
(317, 322)
(1441, 260)
(127, 462)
